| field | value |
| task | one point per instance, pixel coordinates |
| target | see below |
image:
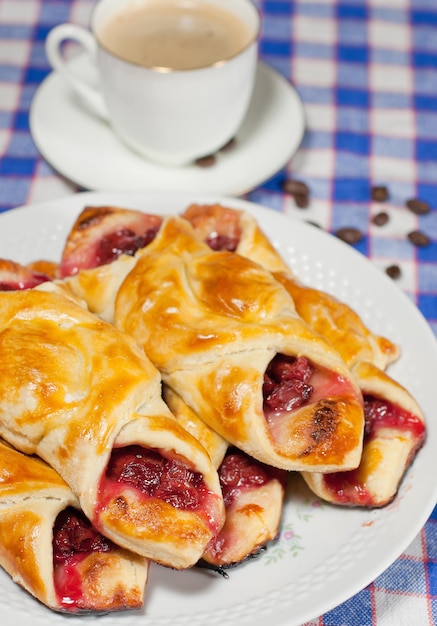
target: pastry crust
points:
(73, 388)
(388, 453)
(97, 286)
(253, 514)
(43, 266)
(340, 325)
(31, 497)
(213, 443)
(211, 322)
(99, 251)
(253, 511)
(390, 445)
(216, 222)
(328, 316)
(87, 244)
(235, 229)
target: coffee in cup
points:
(172, 35)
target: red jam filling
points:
(383, 414)
(32, 280)
(239, 472)
(104, 242)
(379, 414)
(154, 475)
(287, 383)
(219, 242)
(73, 540)
(123, 241)
(293, 382)
(218, 226)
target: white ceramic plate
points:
(324, 554)
(83, 148)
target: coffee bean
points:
(302, 200)
(417, 206)
(394, 271)
(295, 187)
(206, 161)
(380, 193)
(419, 238)
(299, 190)
(381, 218)
(349, 235)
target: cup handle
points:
(54, 40)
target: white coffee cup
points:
(170, 116)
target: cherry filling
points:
(239, 472)
(293, 383)
(349, 487)
(219, 242)
(102, 234)
(287, 383)
(14, 283)
(380, 413)
(73, 540)
(218, 226)
(122, 241)
(156, 476)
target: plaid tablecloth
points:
(367, 75)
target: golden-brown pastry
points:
(395, 430)
(43, 266)
(49, 547)
(80, 394)
(214, 444)
(102, 234)
(224, 228)
(99, 252)
(340, 324)
(97, 286)
(227, 228)
(103, 240)
(254, 495)
(389, 446)
(226, 338)
(252, 491)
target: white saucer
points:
(84, 150)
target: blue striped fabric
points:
(367, 73)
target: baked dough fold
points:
(395, 431)
(32, 495)
(212, 322)
(253, 493)
(74, 390)
(390, 444)
(327, 315)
